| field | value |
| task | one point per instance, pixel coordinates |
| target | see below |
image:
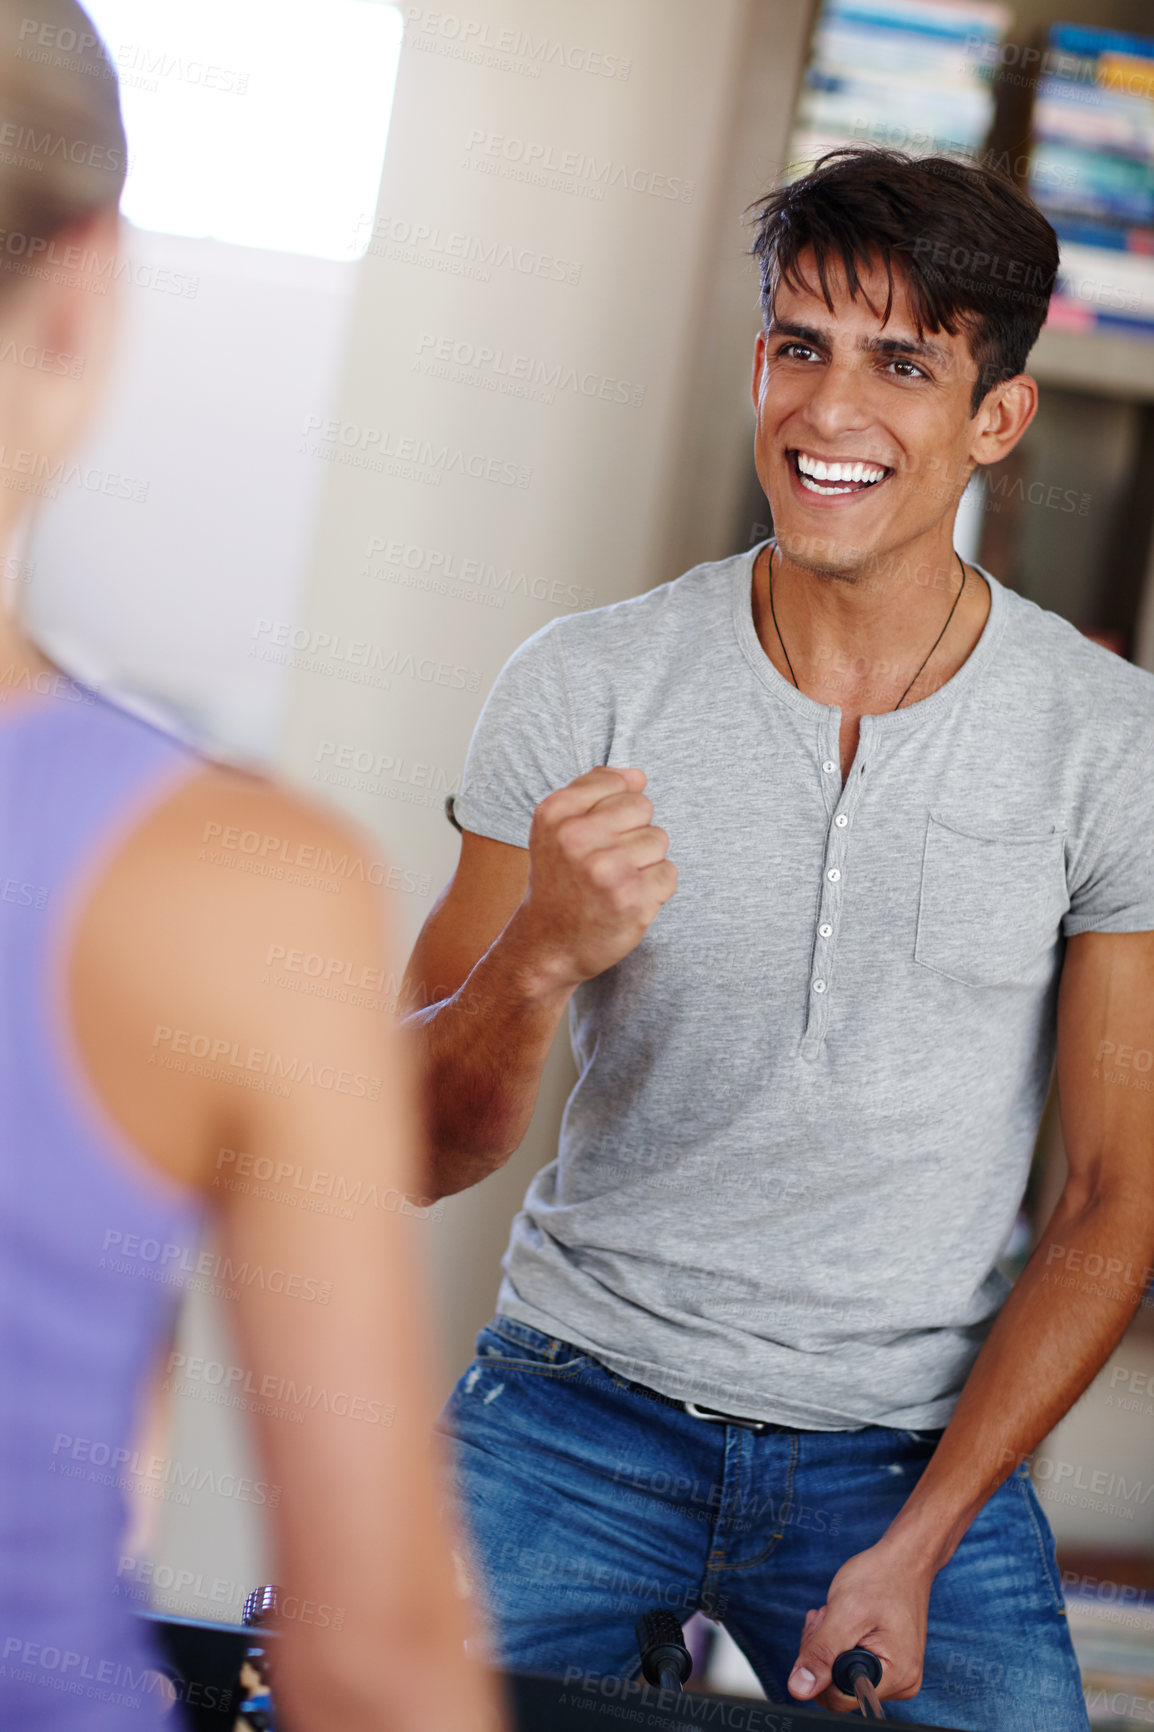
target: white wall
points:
(512, 280)
(156, 587)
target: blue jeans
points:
(588, 1502)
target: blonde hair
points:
(63, 152)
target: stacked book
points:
(1112, 1628)
(1092, 172)
(915, 75)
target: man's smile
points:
(830, 477)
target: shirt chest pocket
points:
(991, 901)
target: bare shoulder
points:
(236, 840)
(201, 953)
(229, 849)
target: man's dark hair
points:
(975, 253)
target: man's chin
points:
(826, 555)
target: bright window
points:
(261, 122)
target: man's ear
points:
(758, 367)
(1002, 417)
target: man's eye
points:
(796, 351)
(911, 371)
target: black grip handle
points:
(665, 1660)
(261, 1604)
(856, 1663)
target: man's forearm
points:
(1056, 1330)
(480, 1055)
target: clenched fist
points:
(597, 874)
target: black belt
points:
(710, 1413)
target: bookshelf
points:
(913, 75)
(1092, 361)
(1091, 170)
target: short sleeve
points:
(522, 746)
(1117, 894)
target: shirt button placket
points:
(834, 875)
(819, 985)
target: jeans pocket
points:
(1043, 1534)
(507, 1342)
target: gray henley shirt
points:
(807, 1100)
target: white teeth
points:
(854, 473)
(813, 487)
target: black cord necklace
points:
(933, 646)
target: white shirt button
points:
(833, 874)
(819, 986)
(829, 766)
(825, 930)
(841, 820)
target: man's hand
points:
(597, 874)
(878, 1600)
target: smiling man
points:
(831, 850)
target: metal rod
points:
(867, 1698)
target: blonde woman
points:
(137, 1041)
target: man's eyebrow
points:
(897, 346)
(906, 346)
(802, 333)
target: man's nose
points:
(839, 400)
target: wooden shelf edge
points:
(1108, 366)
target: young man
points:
(753, 1352)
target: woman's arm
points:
(312, 1087)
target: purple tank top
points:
(80, 1325)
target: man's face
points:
(841, 389)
